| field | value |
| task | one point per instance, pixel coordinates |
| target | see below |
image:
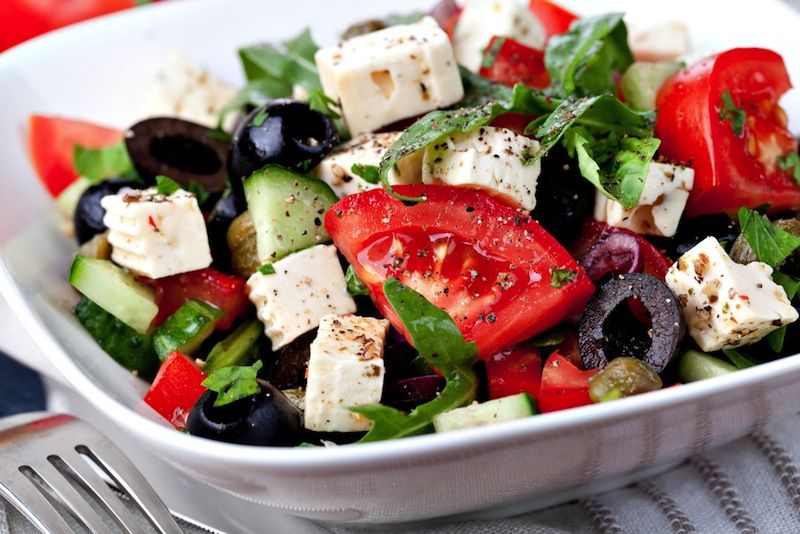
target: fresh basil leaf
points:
(561, 277)
(739, 359)
(267, 269)
(354, 285)
(551, 338)
(260, 118)
(255, 93)
(732, 113)
(770, 244)
(98, 164)
(368, 173)
(408, 18)
(198, 191)
(291, 61)
(776, 338)
(322, 103)
(479, 90)
(437, 338)
(791, 161)
(234, 383)
(583, 60)
(166, 185)
(790, 284)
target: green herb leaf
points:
(434, 334)
(479, 90)
(98, 164)
(791, 161)
(198, 191)
(166, 185)
(739, 359)
(490, 54)
(776, 338)
(260, 117)
(255, 93)
(790, 284)
(368, 173)
(731, 113)
(354, 285)
(583, 60)
(291, 61)
(551, 338)
(408, 18)
(234, 383)
(561, 277)
(322, 103)
(267, 269)
(770, 244)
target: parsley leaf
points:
(234, 383)
(437, 338)
(167, 186)
(267, 268)
(322, 103)
(354, 285)
(739, 359)
(561, 277)
(98, 164)
(791, 161)
(770, 244)
(368, 173)
(260, 118)
(733, 114)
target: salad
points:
(446, 220)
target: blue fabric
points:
(21, 389)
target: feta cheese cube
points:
(494, 158)
(660, 207)
(480, 21)
(391, 74)
(726, 304)
(305, 287)
(156, 235)
(345, 369)
(367, 149)
(188, 92)
(664, 41)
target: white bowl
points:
(94, 71)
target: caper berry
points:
(623, 377)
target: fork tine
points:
(97, 485)
(26, 497)
(127, 477)
(71, 498)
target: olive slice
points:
(602, 325)
(184, 151)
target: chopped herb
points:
(260, 117)
(98, 164)
(322, 103)
(551, 338)
(490, 55)
(561, 277)
(731, 113)
(166, 185)
(354, 285)
(739, 359)
(790, 284)
(198, 191)
(267, 268)
(437, 338)
(234, 383)
(368, 173)
(305, 165)
(770, 243)
(791, 161)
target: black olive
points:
(290, 366)
(266, 418)
(285, 132)
(184, 151)
(88, 216)
(691, 231)
(220, 219)
(607, 330)
(564, 198)
(408, 393)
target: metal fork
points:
(52, 464)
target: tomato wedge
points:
(518, 370)
(510, 62)
(52, 141)
(488, 265)
(563, 385)
(721, 116)
(176, 388)
(554, 18)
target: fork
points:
(52, 468)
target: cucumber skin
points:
(277, 235)
(236, 349)
(478, 415)
(642, 81)
(695, 365)
(186, 329)
(126, 346)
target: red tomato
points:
(52, 141)
(570, 349)
(21, 20)
(509, 62)
(518, 370)
(563, 385)
(485, 263)
(516, 122)
(446, 13)
(730, 170)
(554, 18)
(176, 388)
(223, 291)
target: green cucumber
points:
(69, 197)
(186, 329)
(486, 413)
(642, 80)
(129, 348)
(115, 290)
(236, 349)
(287, 211)
(695, 365)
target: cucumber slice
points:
(186, 329)
(236, 349)
(642, 80)
(67, 201)
(129, 348)
(115, 290)
(487, 413)
(287, 211)
(695, 365)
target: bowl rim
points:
(341, 457)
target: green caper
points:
(741, 252)
(242, 242)
(623, 377)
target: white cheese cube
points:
(188, 92)
(156, 235)
(664, 41)
(392, 74)
(345, 369)
(480, 21)
(660, 207)
(726, 304)
(494, 158)
(367, 149)
(305, 287)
